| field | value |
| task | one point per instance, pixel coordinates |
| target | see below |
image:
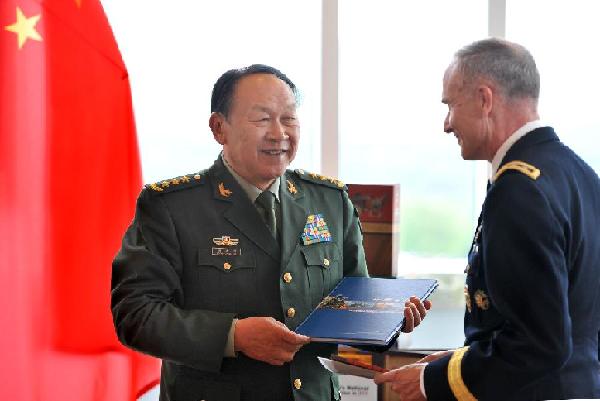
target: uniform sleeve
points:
(527, 279)
(355, 263)
(146, 295)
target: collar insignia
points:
(226, 193)
(291, 187)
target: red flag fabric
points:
(69, 169)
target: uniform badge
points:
(291, 187)
(224, 244)
(225, 240)
(226, 193)
(467, 298)
(315, 230)
(481, 300)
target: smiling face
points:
(466, 117)
(260, 136)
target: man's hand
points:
(267, 340)
(406, 381)
(414, 313)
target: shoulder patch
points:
(181, 182)
(525, 168)
(321, 179)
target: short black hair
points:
(222, 92)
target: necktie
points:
(266, 200)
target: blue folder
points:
(364, 310)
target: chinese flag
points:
(69, 176)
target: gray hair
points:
(509, 65)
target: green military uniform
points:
(198, 255)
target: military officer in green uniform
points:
(219, 267)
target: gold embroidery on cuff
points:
(457, 385)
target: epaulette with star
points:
(174, 184)
(520, 166)
(321, 179)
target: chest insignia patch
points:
(225, 240)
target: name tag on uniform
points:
(226, 251)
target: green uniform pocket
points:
(323, 269)
(227, 283)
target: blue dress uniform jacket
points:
(198, 254)
(533, 283)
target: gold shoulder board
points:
(321, 179)
(175, 183)
(525, 168)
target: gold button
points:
(297, 384)
(325, 262)
(287, 277)
(226, 266)
(291, 312)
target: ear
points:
(485, 98)
(216, 123)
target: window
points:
(176, 50)
(392, 59)
(564, 44)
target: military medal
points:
(315, 230)
(481, 300)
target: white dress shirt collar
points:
(251, 190)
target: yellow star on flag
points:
(24, 28)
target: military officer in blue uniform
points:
(533, 275)
(219, 267)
